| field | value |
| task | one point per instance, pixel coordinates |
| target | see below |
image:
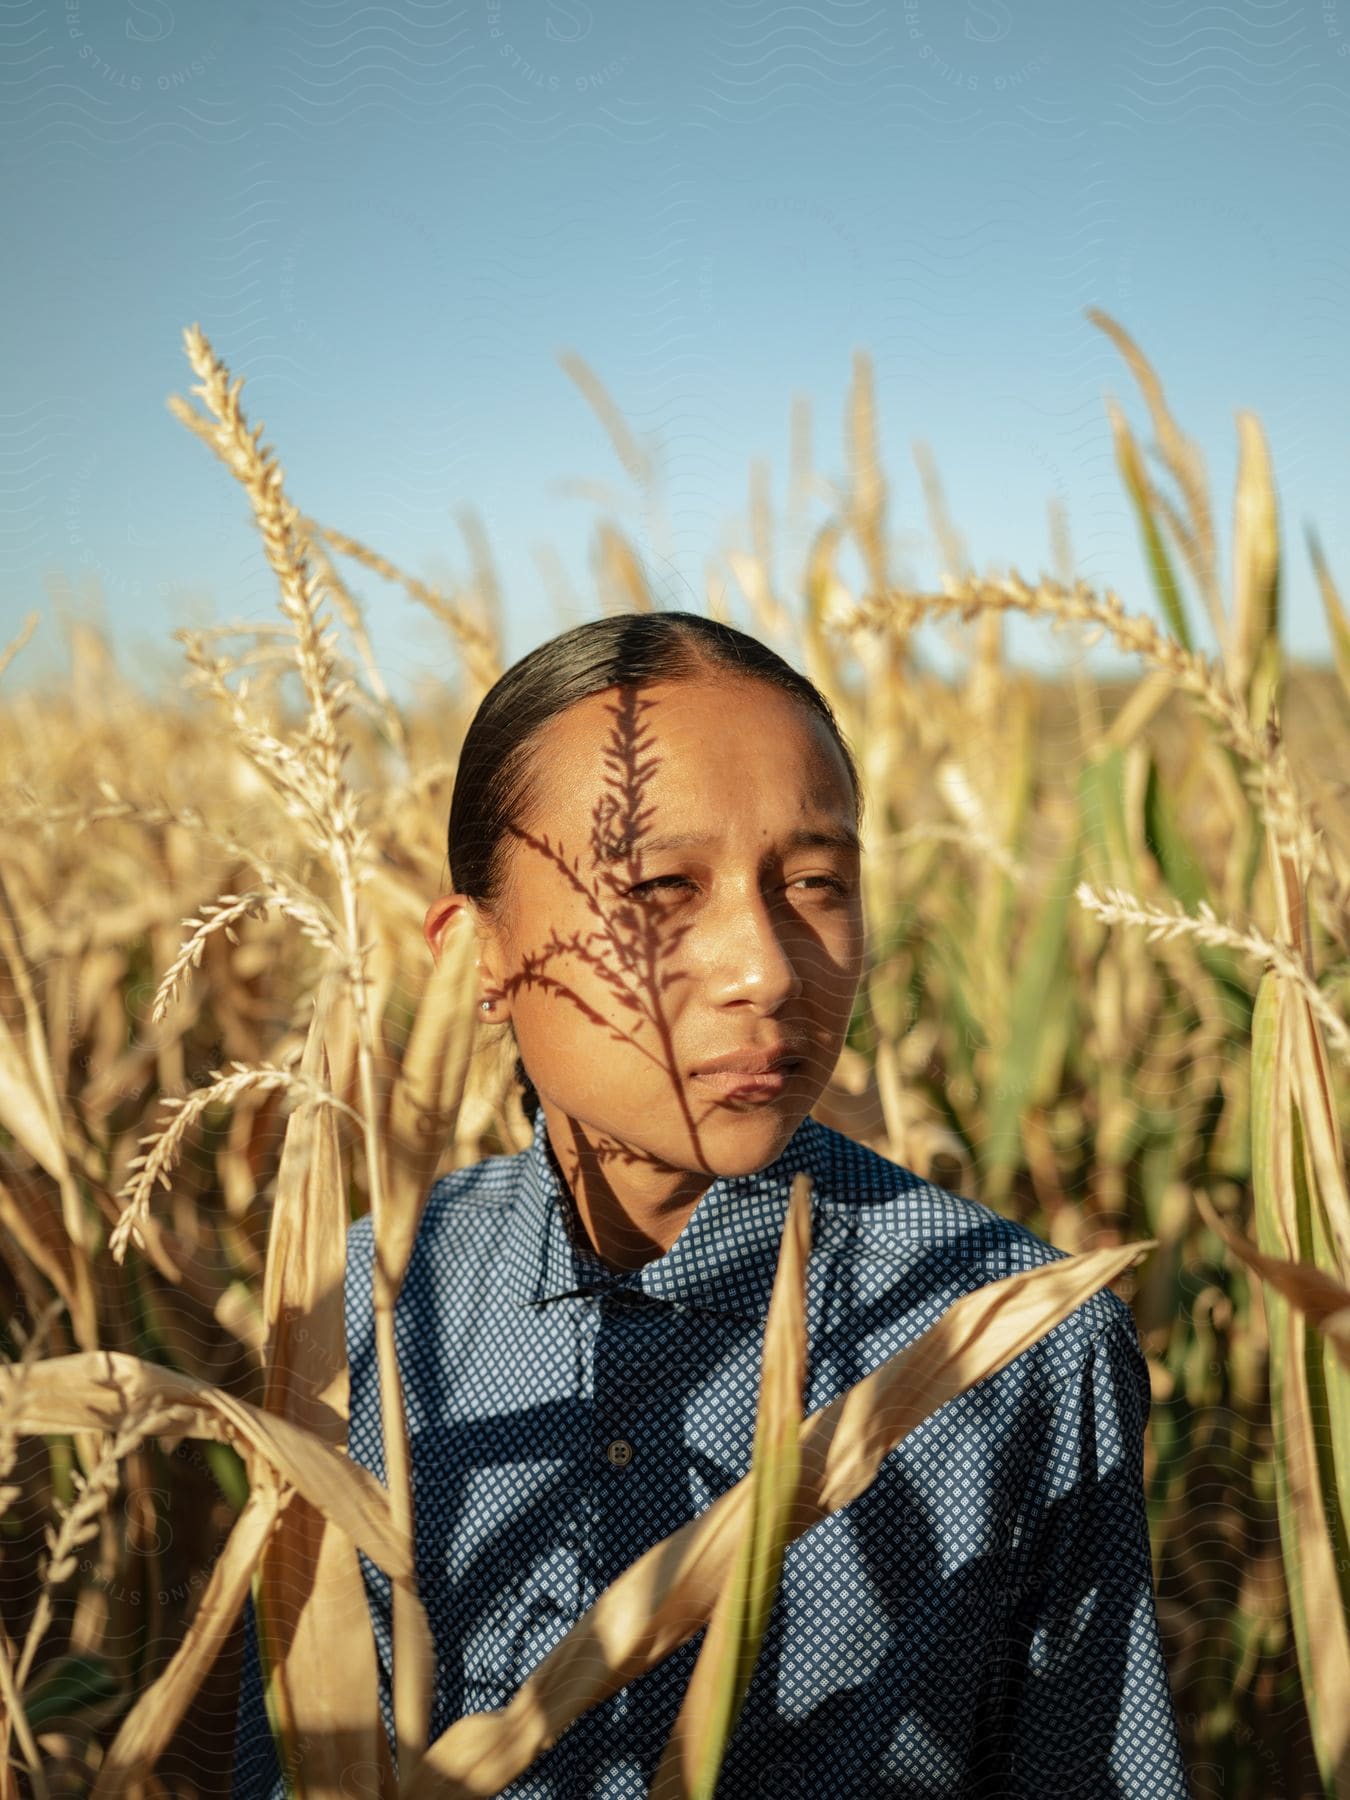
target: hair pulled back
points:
(493, 782)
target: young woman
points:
(654, 835)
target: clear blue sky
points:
(392, 218)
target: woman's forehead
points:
(675, 714)
(666, 738)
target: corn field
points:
(1108, 965)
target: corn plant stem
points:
(409, 1724)
(16, 1720)
(37, 1630)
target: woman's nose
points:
(754, 958)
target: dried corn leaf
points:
(753, 579)
(305, 1355)
(240, 1160)
(1140, 708)
(28, 1085)
(867, 482)
(427, 1092)
(1320, 1298)
(28, 1212)
(1306, 1386)
(726, 1661)
(95, 1390)
(624, 587)
(669, 1592)
(1337, 618)
(21, 1110)
(821, 583)
(314, 1630)
(1256, 559)
(1183, 457)
(145, 1732)
(629, 450)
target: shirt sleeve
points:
(257, 1775)
(1085, 1707)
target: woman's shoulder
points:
(876, 1211)
(461, 1199)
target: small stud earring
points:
(485, 1005)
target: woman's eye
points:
(657, 881)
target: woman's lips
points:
(736, 1081)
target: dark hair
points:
(493, 778)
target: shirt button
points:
(620, 1453)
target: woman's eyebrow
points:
(805, 837)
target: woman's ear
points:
(454, 913)
(447, 912)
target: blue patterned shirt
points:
(980, 1622)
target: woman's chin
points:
(739, 1140)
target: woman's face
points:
(626, 962)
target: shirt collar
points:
(724, 1261)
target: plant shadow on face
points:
(631, 947)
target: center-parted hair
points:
(493, 794)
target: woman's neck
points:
(627, 1210)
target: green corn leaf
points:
(1039, 978)
(1135, 476)
(69, 1688)
(1104, 825)
(1186, 878)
